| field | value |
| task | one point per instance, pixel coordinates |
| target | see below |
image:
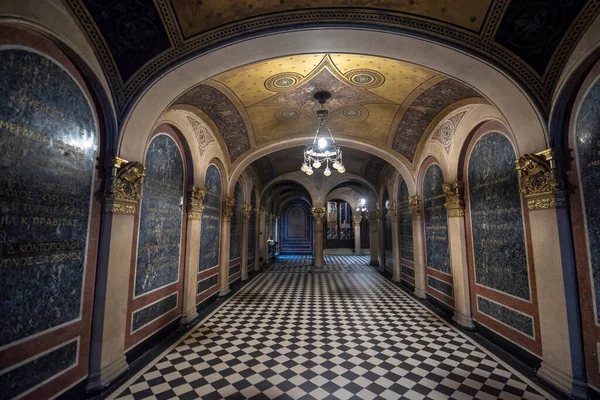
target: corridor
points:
(343, 333)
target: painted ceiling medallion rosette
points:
(287, 114)
(353, 113)
(202, 133)
(365, 78)
(445, 133)
(283, 82)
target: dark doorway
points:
(340, 232)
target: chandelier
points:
(323, 150)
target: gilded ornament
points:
(195, 207)
(539, 180)
(455, 205)
(246, 212)
(357, 219)
(319, 212)
(228, 205)
(394, 211)
(415, 204)
(125, 187)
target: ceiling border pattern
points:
(540, 86)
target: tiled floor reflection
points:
(346, 333)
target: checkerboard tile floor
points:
(302, 264)
(332, 335)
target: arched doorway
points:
(340, 233)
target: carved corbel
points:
(196, 198)
(455, 205)
(319, 212)
(124, 190)
(540, 182)
(415, 205)
(228, 205)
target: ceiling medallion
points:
(323, 149)
(365, 78)
(287, 114)
(353, 113)
(283, 81)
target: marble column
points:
(318, 214)
(257, 242)
(107, 353)
(192, 253)
(395, 242)
(560, 326)
(418, 248)
(225, 243)
(374, 237)
(265, 238)
(357, 220)
(246, 210)
(457, 236)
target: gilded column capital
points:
(357, 219)
(124, 190)
(415, 206)
(375, 216)
(540, 182)
(228, 205)
(196, 198)
(318, 212)
(246, 212)
(455, 204)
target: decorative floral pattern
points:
(224, 114)
(202, 134)
(423, 110)
(445, 133)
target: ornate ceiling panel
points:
(135, 40)
(224, 114)
(366, 94)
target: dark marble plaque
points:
(211, 221)
(439, 285)
(516, 320)
(405, 224)
(496, 218)
(34, 372)
(149, 313)
(588, 154)
(159, 242)
(234, 270)
(48, 145)
(408, 270)
(235, 244)
(436, 222)
(252, 229)
(207, 283)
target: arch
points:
(497, 229)
(296, 228)
(514, 103)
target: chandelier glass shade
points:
(323, 151)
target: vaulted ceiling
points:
(137, 40)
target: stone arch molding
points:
(513, 102)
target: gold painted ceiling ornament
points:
(323, 149)
(540, 182)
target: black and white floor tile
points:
(330, 335)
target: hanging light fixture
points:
(323, 150)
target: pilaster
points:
(246, 213)
(455, 207)
(257, 241)
(225, 243)
(562, 354)
(196, 197)
(318, 214)
(418, 248)
(357, 220)
(110, 313)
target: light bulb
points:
(322, 143)
(309, 172)
(336, 164)
(342, 169)
(317, 164)
(303, 167)
(327, 172)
